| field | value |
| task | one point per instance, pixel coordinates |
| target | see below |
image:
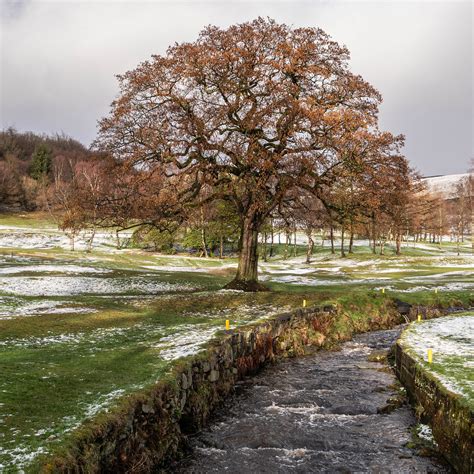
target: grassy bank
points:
(442, 389)
(452, 344)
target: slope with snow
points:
(444, 185)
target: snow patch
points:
(424, 432)
(188, 343)
(20, 456)
(12, 307)
(445, 185)
(447, 337)
(415, 289)
(73, 269)
(66, 286)
(102, 403)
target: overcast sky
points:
(59, 60)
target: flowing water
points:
(319, 413)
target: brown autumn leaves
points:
(263, 117)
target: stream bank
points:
(441, 391)
(332, 411)
(149, 429)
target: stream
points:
(318, 413)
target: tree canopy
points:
(254, 114)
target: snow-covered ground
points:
(50, 279)
(59, 268)
(14, 237)
(32, 238)
(451, 339)
(69, 286)
(400, 274)
(12, 307)
(444, 185)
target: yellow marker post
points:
(227, 324)
(419, 318)
(430, 356)
(436, 290)
(383, 290)
(304, 303)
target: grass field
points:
(451, 340)
(80, 330)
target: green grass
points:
(36, 220)
(446, 299)
(456, 368)
(451, 341)
(56, 366)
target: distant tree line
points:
(437, 215)
(86, 191)
(29, 164)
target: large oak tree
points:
(249, 114)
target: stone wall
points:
(450, 417)
(149, 429)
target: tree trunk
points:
(91, 241)
(264, 246)
(271, 239)
(440, 225)
(309, 251)
(472, 232)
(221, 246)
(203, 235)
(294, 243)
(117, 239)
(343, 254)
(246, 278)
(398, 243)
(287, 243)
(203, 242)
(331, 236)
(351, 238)
(374, 238)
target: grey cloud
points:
(12, 9)
(58, 61)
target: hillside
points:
(445, 184)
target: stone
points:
(184, 382)
(147, 408)
(214, 376)
(206, 367)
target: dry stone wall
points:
(451, 418)
(149, 430)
